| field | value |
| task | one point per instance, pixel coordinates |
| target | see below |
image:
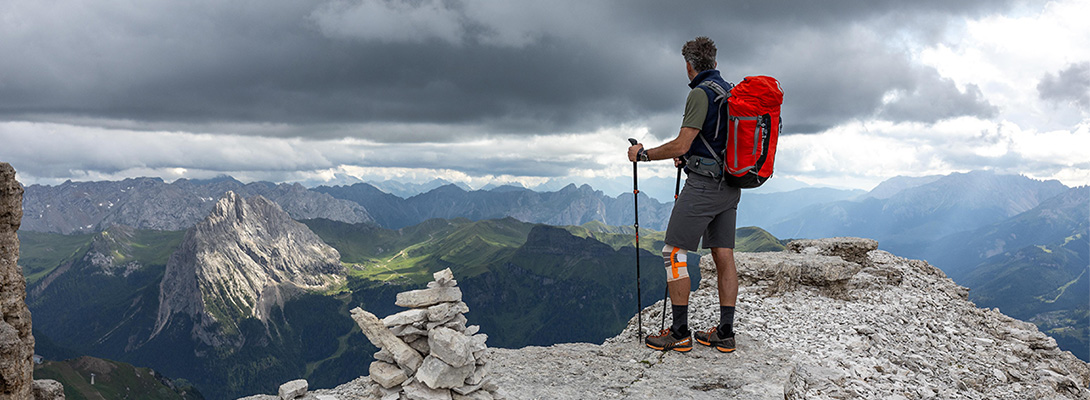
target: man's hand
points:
(633, 151)
(677, 162)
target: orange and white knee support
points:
(675, 261)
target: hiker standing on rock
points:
(705, 208)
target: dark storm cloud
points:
(393, 71)
(1069, 85)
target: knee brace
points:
(674, 260)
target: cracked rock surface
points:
(826, 319)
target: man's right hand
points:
(633, 151)
(678, 162)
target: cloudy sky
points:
(540, 93)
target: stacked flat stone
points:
(428, 352)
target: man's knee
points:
(675, 261)
(723, 258)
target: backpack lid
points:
(763, 90)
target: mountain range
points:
(150, 203)
(570, 205)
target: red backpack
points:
(753, 128)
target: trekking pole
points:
(666, 296)
(636, 225)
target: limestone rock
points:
(853, 250)
(428, 297)
(48, 389)
(16, 340)
(439, 375)
(404, 355)
(407, 317)
(451, 346)
(477, 395)
(444, 277)
(386, 374)
(293, 389)
(420, 391)
(445, 311)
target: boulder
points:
(420, 391)
(387, 375)
(378, 334)
(451, 346)
(48, 389)
(439, 375)
(428, 297)
(293, 389)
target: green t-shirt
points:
(696, 109)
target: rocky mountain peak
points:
(246, 257)
(825, 319)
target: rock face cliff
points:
(245, 258)
(16, 341)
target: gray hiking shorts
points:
(704, 208)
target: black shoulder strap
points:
(721, 95)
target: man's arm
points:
(672, 149)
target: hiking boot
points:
(670, 340)
(711, 338)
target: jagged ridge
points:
(247, 256)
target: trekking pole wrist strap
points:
(642, 155)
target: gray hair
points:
(700, 53)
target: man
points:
(705, 208)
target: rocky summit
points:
(246, 257)
(824, 319)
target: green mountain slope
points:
(1046, 284)
(112, 380)
(41, 253)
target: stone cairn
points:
(428, 352)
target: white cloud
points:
(1006, 56)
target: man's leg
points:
(677, 284)
(728, 276)
(678, 336)
(727, 283)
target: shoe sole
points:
(684, 348)
(679, 349)
(720, 348)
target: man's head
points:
(699, 53)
